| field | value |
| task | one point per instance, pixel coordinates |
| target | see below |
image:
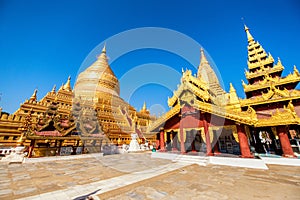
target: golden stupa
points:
(98, 87)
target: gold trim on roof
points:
(268, 80)
(273, 95)
(262, 71)
(157, 123)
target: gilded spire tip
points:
(144, 106)
(203, 58)
(104, 48)
(67, 86)
(54, 89)
(231, 88)
(249, 36)
(246, 28)
(201, 50)
(33, 97)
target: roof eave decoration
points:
(281, 95)
(245, 117)
(188, 82)
(268, 81)
(286, 116)
(160, 121)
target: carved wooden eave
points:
(198, 81)
(196, 85)
(258, 55)
(268, 81)
(285, 117)
(245, 117)
(262, 71)
(273, 95)
(165, 117)
(254, 65)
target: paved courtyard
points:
(138, 176)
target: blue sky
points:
(43, 42)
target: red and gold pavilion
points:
(204, 118)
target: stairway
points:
(200, 160)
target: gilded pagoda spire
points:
(103, 57)
(33, 96)
(231, 89)
(206, 73)
(257, 56)
(53, 89)
(249, 36)
(203, 62)
(67, 86)
(104, 48)
(144, 106)
(203, 58)
(233, 98)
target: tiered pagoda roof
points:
(263, 74)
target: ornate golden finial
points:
(244, 84)
(33, 97)
(296, 71)
(231, 89)
(203, 58)
(144, 106)
(290, 108)
(251, 112)
(67, 86)
(233, 98)
(203, 62)
(279, 61)
(104, 48)
(54, 89)
(249, 36)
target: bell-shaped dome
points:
(97, 79)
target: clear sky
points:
(43, 42)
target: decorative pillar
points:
(55, 145)
(207, 137)
(216, 148)
(31, 147)
(174, 142)
(162, 140)
(157, 144)
(59, 146)
(244, 146)
(285, 142)
(182, 148)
